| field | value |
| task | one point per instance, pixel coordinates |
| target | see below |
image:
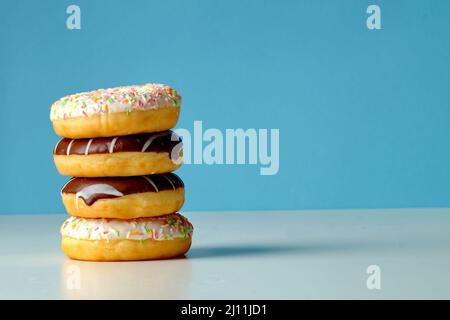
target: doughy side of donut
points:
(124, 249)
(137, 205)
(118, 123)
(122, 164)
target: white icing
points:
(119, 99)
(69, 147)
(151, 139)
(112, 144)
(156, 228)
(149, 180)
(86, 152)
(99, 188)
(56, 147)
(170, 181)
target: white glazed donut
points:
(135, 239)
(116, 112)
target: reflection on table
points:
(168, 279)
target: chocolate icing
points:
(93, 189)
(159, 142)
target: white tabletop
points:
(245, 255)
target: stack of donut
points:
(122, 197)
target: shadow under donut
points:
(320, 247)
(240, 250)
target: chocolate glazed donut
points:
(149, 196)
(132, 155)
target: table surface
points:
(245, 255)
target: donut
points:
(136, 239)
(131, 155)
(116, 111)
(123, 197)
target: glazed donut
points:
(132, 155)
(123, 197)
(116, 112)
(137, 239)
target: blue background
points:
(363, 114)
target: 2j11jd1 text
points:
(249, 310)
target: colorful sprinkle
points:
(119, 99)
(155, 228)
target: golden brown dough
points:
(124, 249)
(118, 123)
(122, 164)
(146, 204)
